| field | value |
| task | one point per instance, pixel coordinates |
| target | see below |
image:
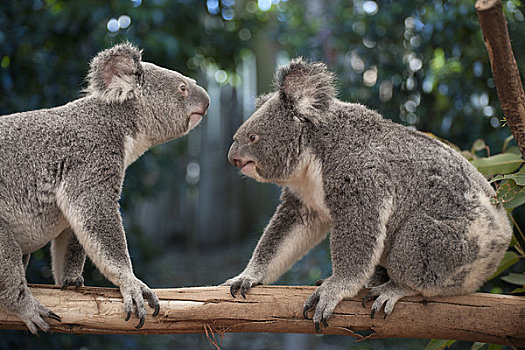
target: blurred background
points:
(190, 218)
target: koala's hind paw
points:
(387, 294)
(242, 283)
(133, 295)
(76, 282)
(324, 300)
(34, 320)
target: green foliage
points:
(439, 344)
(515, 278)
(508, 260)
(503, 163)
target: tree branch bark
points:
(480, 317)
(504, 69)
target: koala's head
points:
(269, 145)
(172, 102)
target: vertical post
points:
(504, 69)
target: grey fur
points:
(62, 170)
(392, 198)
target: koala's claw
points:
(234, 288)
(310, 304)
(367, 298)
(324, 300)
(133, 296)
(157, 309)
(387, 294)
(54, 316)
(242, 283)
(35, 320)
(141, 322)
(76, 282)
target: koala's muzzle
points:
(235, 158)
(202, 103)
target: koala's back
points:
(421, 169)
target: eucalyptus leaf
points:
(507, 191)
(477, 346)
(495, 347)
(439, 344)
(503, 163)
(509, 259)
(514, 149)
(519, 178)
(515, 278)
(518, 200)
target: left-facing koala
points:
(62, 169)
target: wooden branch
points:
(504, 69)
(480, 317)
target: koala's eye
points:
(254, 138)
(182, 87)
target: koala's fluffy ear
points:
(116, 73)
(308, 86)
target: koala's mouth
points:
(249, 168)
(194, 119)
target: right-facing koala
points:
(392, 198)
(61, 175)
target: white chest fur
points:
(307, 184)
(134, 147)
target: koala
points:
(62, 171)
(407, 214)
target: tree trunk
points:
(504, 69)
(480, 317)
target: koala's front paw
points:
(33, 317)
(243, 283)
(324, 300)
(133, 294)
(76, 282)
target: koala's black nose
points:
(233, 156)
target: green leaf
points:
(515, 278)
(518, 290)
(477, 346)
(509, 259)
(503, 163)
(518, 200)
(507, 191)
(519, 178)
(439, 344)
(495, 347)
(514, 149)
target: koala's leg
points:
(434, 256)
(291, 233)
(68, 258)
(356, 243)
(94, 216)
(15, 296)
